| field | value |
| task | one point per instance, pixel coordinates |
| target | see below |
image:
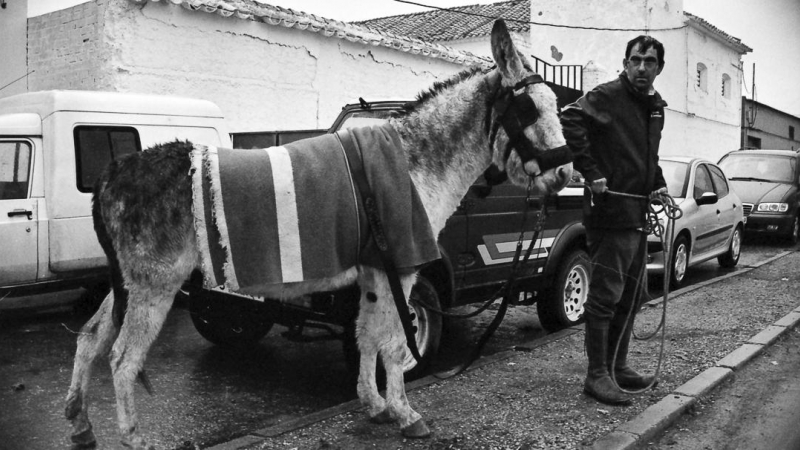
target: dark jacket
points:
(614, 132)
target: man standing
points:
(614, 132)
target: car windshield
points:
(675, 174)
(773, 168)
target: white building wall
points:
(264, 77)
(699, 124)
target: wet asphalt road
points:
(205, 395)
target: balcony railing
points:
(570, 76)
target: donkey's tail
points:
(120, 293)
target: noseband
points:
(517, 111)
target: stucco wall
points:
(772, 127)
(12, 50)
(66, 49)
(697, 123)
(697, 136)
(264, 77)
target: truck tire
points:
(562, 302)
(428, 335)
(228, 320)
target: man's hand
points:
(598, 186)
(659, 194)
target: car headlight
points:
(773, 207)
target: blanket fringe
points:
(218, 212)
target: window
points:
(791, 132)
(702, 181)
(96, 146)
(726, 85)
(702, 73)
(15, 162)
(720, 183)
(753, 142)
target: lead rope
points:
(508, 287)
(672, 212)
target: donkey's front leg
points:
(379, 323)
(146, 313)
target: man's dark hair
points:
(645, 42)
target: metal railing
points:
(570, 76)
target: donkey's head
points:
(526, 132)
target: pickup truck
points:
(53, 144)
(477, 247)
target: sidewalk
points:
(531, 397)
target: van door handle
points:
(21, 212)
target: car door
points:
(705, 222)
(727, 208)
(19, 222)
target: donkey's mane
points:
(441, 86)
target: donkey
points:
(452, 135)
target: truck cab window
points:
(15, 161)
(96, 146)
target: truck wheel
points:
(562, 303)
(731, 257)
(228, 320)
(428, 335)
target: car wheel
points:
(228, 320)
(428, 334)
(731, 257)
(563, 302)
(680, 262)
(794, 235)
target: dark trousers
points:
(617, 258)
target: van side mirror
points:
(706, 198)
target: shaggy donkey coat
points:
(144, 221)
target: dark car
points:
(767, 182)
(477, 246)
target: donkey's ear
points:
(505, 54)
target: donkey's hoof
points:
(383, 417)
(84, 439)
(416, 430)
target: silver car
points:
(712, 223)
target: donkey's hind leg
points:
(148, 307)
(379, 327)
(94, 340)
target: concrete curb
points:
(660, 416)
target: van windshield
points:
(774, 168)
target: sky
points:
(770, 27)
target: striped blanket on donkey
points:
(292, 213)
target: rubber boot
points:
(598, 383)
(625, 377)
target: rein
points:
(507, 289)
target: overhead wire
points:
(576, 27)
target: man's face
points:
(642, 68)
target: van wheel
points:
(428, 335)
(731, 257)
(562, 303)
(227, 320)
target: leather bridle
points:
(515, 111)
